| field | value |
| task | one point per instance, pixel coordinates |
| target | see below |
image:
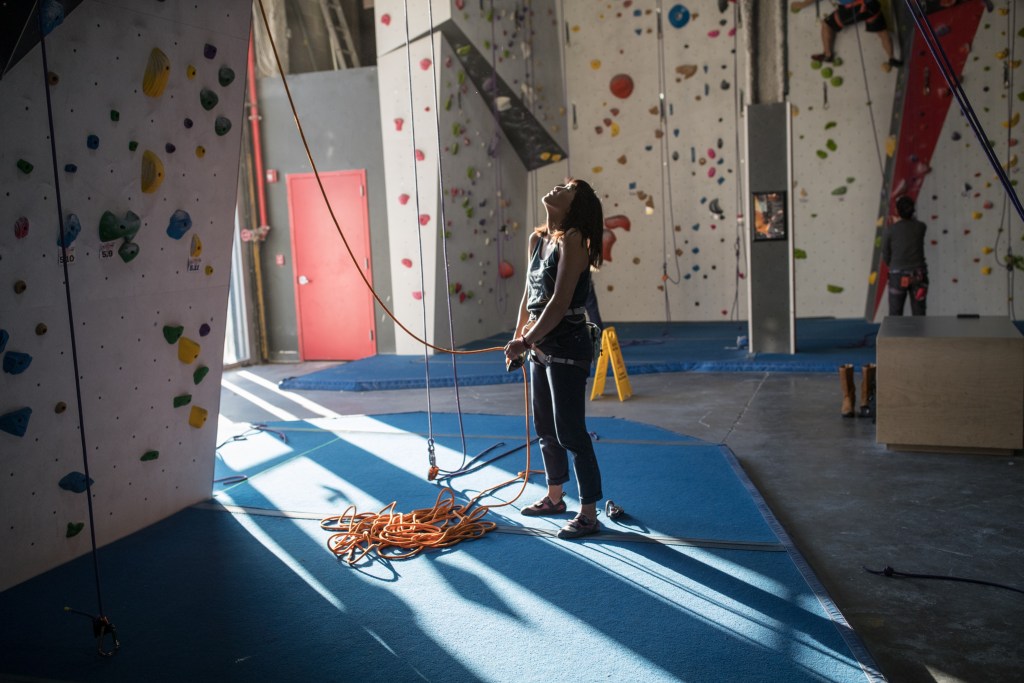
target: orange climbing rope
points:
(446, 523)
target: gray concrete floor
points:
(846, 501)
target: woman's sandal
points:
(544, 507)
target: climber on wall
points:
(848, 13)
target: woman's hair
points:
(905, 207)
(586, 215)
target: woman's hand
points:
(515, 348)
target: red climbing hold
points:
(385, 19)
(398, 124)
(420, 156)
(505, 270)
(407, 262)
(616, 221)
(403, 199)
(425, 63)
(621, 86)
(607, 242)
(424, 218)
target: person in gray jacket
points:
(903, 251)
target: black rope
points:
(100, 619)
(892, 573)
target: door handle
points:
(303, 280)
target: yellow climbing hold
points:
(597, 169)
(545, 156)
(197, 416)
(1013, 121)
(209, 270)
(556, 157)
(986, 270)
(976, 215)
(986, 250)
(595, 64)
(190, 72)
(873, 278)
(158, 70)
(196, 249)
(152, 171)
(188, 350)
(1002, 54)
(200, 151)
(890, 146)
(614, 128)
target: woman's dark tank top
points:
(541, 280)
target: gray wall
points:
(340, 115)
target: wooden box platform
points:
(950, 384)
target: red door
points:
(333, 305)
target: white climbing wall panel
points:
(146, 284)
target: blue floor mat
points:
(216, 592)
(822, 345)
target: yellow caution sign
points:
(610, 349)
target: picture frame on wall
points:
(769, 216)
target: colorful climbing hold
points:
(197, 417)
(190, 72)
(222, 125)
(182, 400)
(188, 350)
(74, 528)
(196, 248)
(173, 332)
(40, 329)
(621, 86)
(149, 455)
(158, 71)
(76, 482)
(209, 51)
(16, 421)
(200, 374)
(16, 362)
(204, 329)
(678, 16)
(21, 228)
(200, 151)
(152, 172)
(24, 166)
(225, 76)
(72, 228)
(179, 224)
(834, 289)
(128, 251)
(208, 99)
(505, 270)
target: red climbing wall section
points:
(925, 107)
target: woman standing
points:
(552, 328)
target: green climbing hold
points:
(149, 455)
(74, 528)
(115, 115)
(182, 400)
(208, 99)
(831, 144)
(471, 173)
(225, 76)
(835, 289)
(464, 50)
(799, 253)
(448, 103)
(815, 64)
(1020, 96)
(455, 148)
(826, 72)
(133, 145)
(173, 332)
(836, 81)
(849, 180)
(128, 251)
(200, 374)
(822, 154)
(108, 227)
(24, 166)
(838, 61)
(222, 125)
(839, 191)
(830, 125)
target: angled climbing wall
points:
(147, 100)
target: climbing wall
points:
(147, 100)
(669, 191)
(474, 207)
(961, 198)
(839, 183)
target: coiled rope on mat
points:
(387, 533)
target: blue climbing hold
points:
(16, 422)
(679, 16)
(179, 224)
(52, 15)
(75, 482)
(4, 338)
(16, 362)
(92, 142)
(72, 227)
